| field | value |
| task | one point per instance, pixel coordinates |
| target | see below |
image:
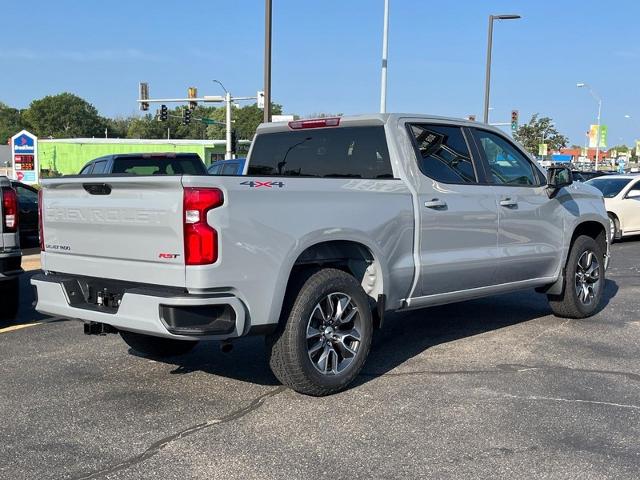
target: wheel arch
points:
(590, 227)
(355, 256)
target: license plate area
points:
(95, 294)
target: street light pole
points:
(598, 99)
(385, 52)
(228, 155)
(267, 61)
(487, 78)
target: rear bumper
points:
(158, 312)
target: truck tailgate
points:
(125, 228)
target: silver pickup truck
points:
(337, 221)
(10, 253)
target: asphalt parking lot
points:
(493, 388)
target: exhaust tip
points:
(226, 347)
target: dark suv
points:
(146, 164)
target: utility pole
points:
(385, 55)
(267, 61)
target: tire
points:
(10, 298)
(317, 350)
(157, 346)
(583, 281)
(614, 231)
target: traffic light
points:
(186, 116)
(164, 113)
(514, 120)
(144, 95)
(234, 142)
(193, 93)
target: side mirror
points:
(633, 194)
(558, 177)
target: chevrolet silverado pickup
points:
(10, 253)
(335, 222)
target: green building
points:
(67, 156)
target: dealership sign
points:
(24, 157)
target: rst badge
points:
(168, 256)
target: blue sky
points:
(326, 55)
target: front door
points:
(458, 215)
(531, 228)
(630, 209)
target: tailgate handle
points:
(97, 188)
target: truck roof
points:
(377, 119)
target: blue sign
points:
(24, 144)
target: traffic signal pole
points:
(193, 101)
(228, 154)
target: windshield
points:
(610, 187)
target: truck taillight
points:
(40, 221)
(200, 239)
(9, 210)
(315, 123)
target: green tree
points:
(11, 122)
(63, 116)
(245, 121)
(118, 127)
(531, 134)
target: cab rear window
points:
(159, 166)
(345, 152)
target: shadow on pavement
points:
(403, 337)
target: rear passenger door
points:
(458, 213)
(531, 225)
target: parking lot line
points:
(13, 328)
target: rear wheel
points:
(326, 335)
(583, 282)
(614, 228)
(9, 298)
(157, 346)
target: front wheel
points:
(157, 346)
(614, 228)
(583, 281)
(325, 336)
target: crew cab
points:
(337, 221)
(10, 253)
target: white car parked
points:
(622, 200)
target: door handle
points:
(436, 204)
(509, 203)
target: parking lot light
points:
(487, 81)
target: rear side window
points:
(159, 166)
(214, 169)
(86, 169)
(345, 152)
(230, 169)
(99, 167)
(443, 153)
